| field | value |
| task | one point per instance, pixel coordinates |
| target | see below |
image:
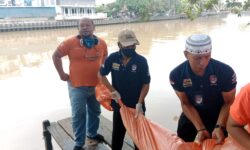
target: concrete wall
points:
(27, 12)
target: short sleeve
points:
(145, 73)
(228, 79)
(64, 47)
(239, 110)
(104, 49)
(107, 66)
(175, 80)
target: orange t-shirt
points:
(84, 63)
(239, 110)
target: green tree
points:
(234, 6)
(208, 5)
(102, 8)
(160, 6)
(193, 8)
(246, 5)
(142, 8)
(233, 3)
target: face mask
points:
(88, 41)
(128, 52)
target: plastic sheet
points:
(148, 135)
(103, 96)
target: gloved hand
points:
(115, 96)
(138, 109)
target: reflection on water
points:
(11, 65)
(31, 90)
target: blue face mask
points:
(88, 41)
(128, 52)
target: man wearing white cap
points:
(206, 89)
(130, 82)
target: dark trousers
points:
(187, 131)
(119, 131)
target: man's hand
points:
(64, 77)
(218, 134)
(202, 135)
(115, 96)
(138, 109)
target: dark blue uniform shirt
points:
(204, 93)
(127, 80)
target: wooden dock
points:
(62, 133)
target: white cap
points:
(198, 44)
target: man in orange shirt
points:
(86, 53)
(240, 117)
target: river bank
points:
(41, 24)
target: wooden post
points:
(47, 135)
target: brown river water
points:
(31, 90)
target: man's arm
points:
(144, 92)
(106, 82)
(238, 133)
(228, 100)
(57, 59)
(218, 132)
(190, 111)
(115, 95)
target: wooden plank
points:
(66, 142)
(105, 129)
(128, 143)
(67, 126)
(61, 137)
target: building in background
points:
(57, 9)
(23, 3)
(76, 9)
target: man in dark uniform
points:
(206, 89)
(130, 82)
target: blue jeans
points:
(85, 112)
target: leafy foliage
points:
(148, 8)
(136, 8)
(246, 5)
(210, 3)
(193, 8)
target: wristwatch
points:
(220, 126)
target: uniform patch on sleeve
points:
(115, 66)
(187, 82)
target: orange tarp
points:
(148, 135)
(103, 96)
